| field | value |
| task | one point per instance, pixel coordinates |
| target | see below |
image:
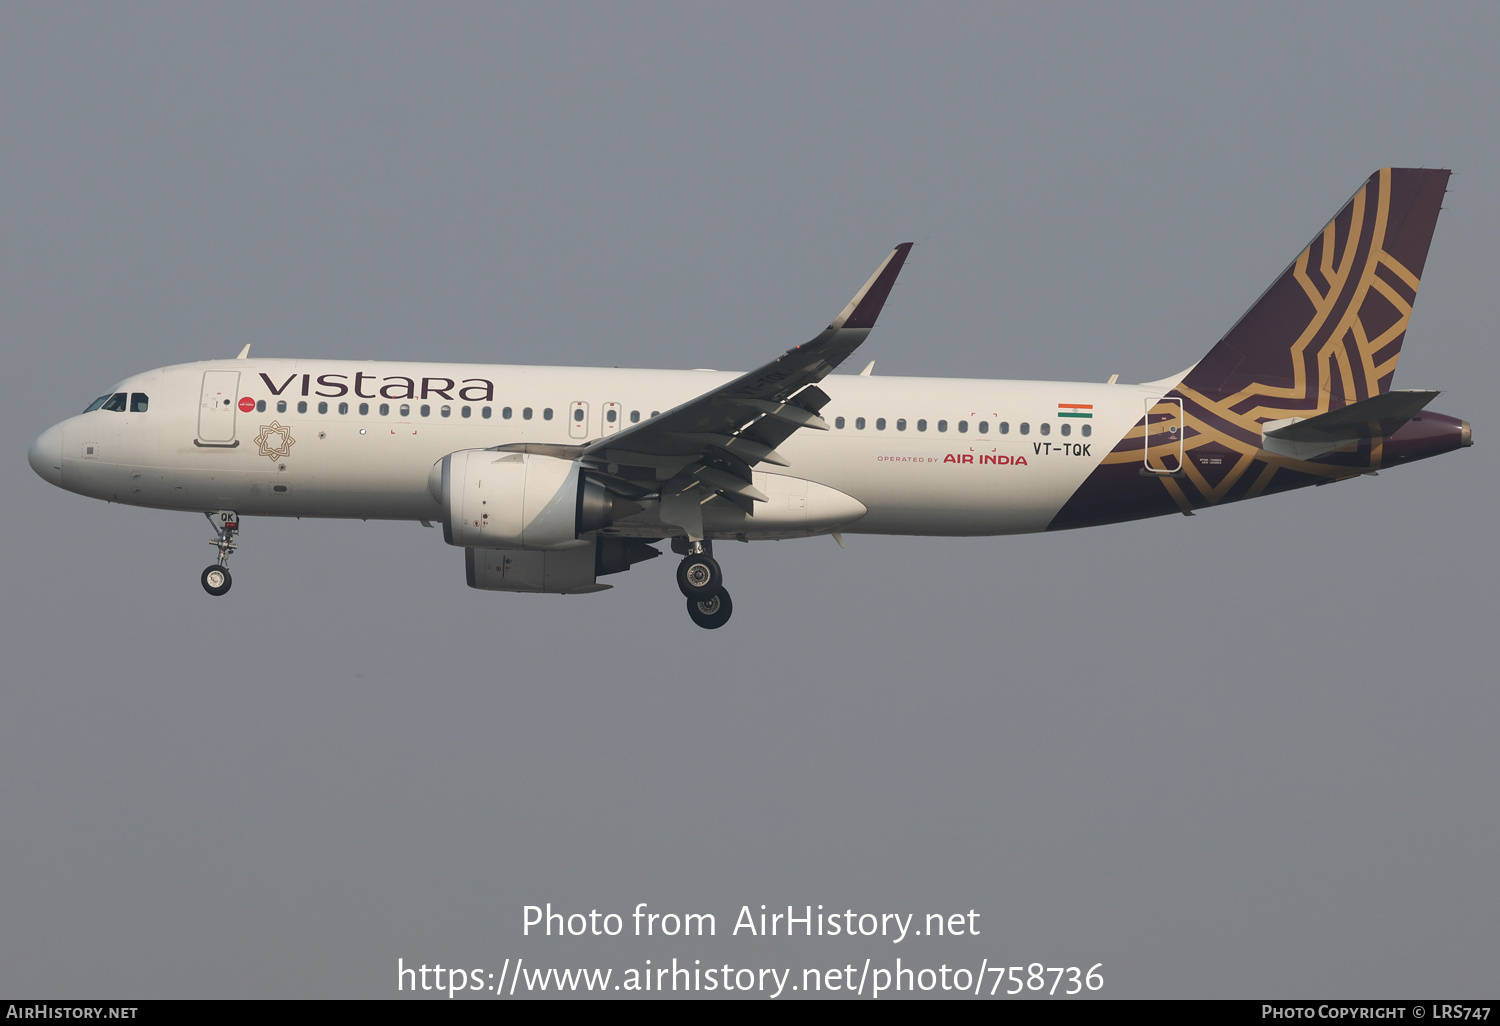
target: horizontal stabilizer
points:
(1379, 416)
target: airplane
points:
(550, 478)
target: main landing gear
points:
(226, 524)
(711, 613)
(702, 583)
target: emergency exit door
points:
(578, 420)
(216, 407)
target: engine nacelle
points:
(515, 500)
(564, 572)
(560, 572)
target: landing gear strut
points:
(698, 575)
(226, 524)
(702, 583)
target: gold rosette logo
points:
(275, 440)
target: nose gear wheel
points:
(216, 580)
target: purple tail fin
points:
(1329, 330)
(1325, 335)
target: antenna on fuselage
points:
(244, 353)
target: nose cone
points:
(45, 455)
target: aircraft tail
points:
(1328, 331)
(1294, 393)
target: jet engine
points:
(513, 500)
(560, 572)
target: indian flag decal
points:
(1084, 411)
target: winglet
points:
(244, 353)
(868, 301)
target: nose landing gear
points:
(226, 524)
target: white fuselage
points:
(320, 438)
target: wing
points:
(711, 443)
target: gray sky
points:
(1248, 754)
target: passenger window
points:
(302, 406)
(505, 413)
(609, 415)
(578, 415)
(547, 413)
(901, 424)
(139, 402)
(446, 411)
(385, 409)
(1005, 427)
(426, 410)
(322, 407)
(405, 410)
(1045, 428)
(281, 406)
(880, 424)
(654, 412)
(260, 406)
(485, 413)
(838, 422)
(984, 427)
(1025, 428)
(526, 413)
(97, 403)
(942, 425)
(635, 416)
(963, 427)
(343, 408)
(859, 422)
(115, 403)
(1087, 431)
(921, 425)
(1066, 429)
(364, 409)
(464, 412)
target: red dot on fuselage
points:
(247, 404)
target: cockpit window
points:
(115, 403)
(138, 402)
(98, 402)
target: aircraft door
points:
(578, 420)
(1163, 438)
(216, 408)
(612, 417)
